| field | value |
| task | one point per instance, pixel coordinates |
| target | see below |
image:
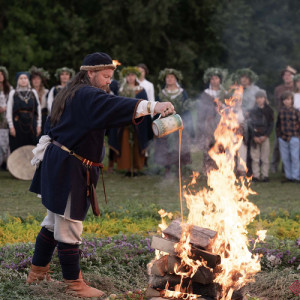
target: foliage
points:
(107, 263)
(281, 228)
(190, 36)
(16, 230)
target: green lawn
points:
(139, 198)
(128, 193)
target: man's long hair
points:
(80, 80)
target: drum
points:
(19, 163)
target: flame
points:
(178, 293)
(116, 63)
(164, 214)
(224, 207)
(183, 249)
(261, 235)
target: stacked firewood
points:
(162, 271)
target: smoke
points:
(261, 35)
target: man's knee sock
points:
(44, 248)
(69, 260)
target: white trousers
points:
(64, 228)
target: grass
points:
(141, 197)
(128, 193)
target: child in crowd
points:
(261, 121)
(287, 129)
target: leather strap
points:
(85, 161)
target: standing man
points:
(147, 85)
(287, 76)
(247, 79)
(73, 151)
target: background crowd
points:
(25, 108)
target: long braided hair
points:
(80, 80)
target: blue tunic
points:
(81, 128)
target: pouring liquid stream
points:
(179, 174)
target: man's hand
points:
(12, 131)
(164, 108)
(38, 130)
(256, 140)
(263, 138)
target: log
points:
(208, 290)
(166, 265)
(168, 246)
(198, 298)
(203, 290)
(150, 292)
(200, 237)
(203, 275)
(160, 266)
(159, 282)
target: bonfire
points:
(224, 209)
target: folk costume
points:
(4, 132)
(131, 142)
(42, 91)
(24, 114)
(208, 116)
(70, 160)
(57, 88)
(167, 148)
(250, 91)
(248, 103)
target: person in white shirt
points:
(297, 91)
(147, 85)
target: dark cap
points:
(97, 61)
(22, 73)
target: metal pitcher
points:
(166, 125)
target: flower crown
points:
(64, 69)
(162, 74)
(130, 70)
(210, 72)
(39, 71)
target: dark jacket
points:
(261, 121)
(81, 128)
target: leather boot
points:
(79, 288)
(37, 274)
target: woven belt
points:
(87, 163)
